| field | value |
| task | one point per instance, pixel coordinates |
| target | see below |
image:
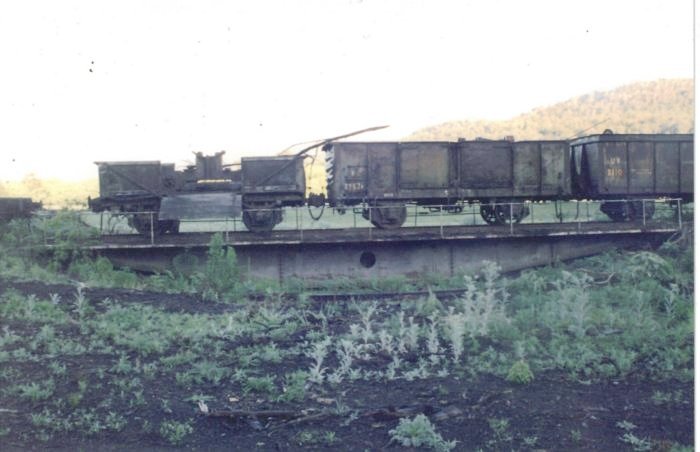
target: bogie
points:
(261, 219)
(621, 211)
(385, 216)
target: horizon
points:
(131, 81)
(184, 161)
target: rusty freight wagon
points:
(268, 184)
(154, 196)
(383, 177)
(632, 167)
(12, 208)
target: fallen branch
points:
(398, 412)
(264, 414)
(309, 418)
(382, 414)
(605, 281)
(594, 274)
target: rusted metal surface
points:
(441, 171)
(486, 167)
(124, 178)
(11, 208)
(634, 165)
(541, 169)
(425, 166)
(192, 206)
(273, 174)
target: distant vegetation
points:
(54, 193)
(662, 106)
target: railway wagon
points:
(502, 176)
(632, 167)
(154, 196)
(268, 184)
(385, 175)
(12, 208)
(134, 188)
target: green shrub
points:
(294, 389)
(68, 236)
(520, 373)
(101, 272)
(420, 432)
(175, 432)
(262, 385)
(36, 392)
(221, 273)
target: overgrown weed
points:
(602, 318)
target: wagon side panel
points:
(349, 173)
(556, 171)
(687, 166)
(122, 178)
(667, 166)
(424, 165)
(614, 168)
(272, 174)
(382, 174)
(641, 167)
(485, 169)
(527, 169)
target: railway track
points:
(181, 301)
(441, 294)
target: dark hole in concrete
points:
(368, 259)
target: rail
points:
(509, 218)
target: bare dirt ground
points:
(478, 411)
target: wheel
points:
(614, 210)
(386, 217)
(170, 226)
(488, 213)
(628, 210)
(501, 214)
(261, 220)
(505, 214)
(142, 224)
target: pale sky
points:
(83, 81)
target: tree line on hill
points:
(661, 106)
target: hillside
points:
(662, 106)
